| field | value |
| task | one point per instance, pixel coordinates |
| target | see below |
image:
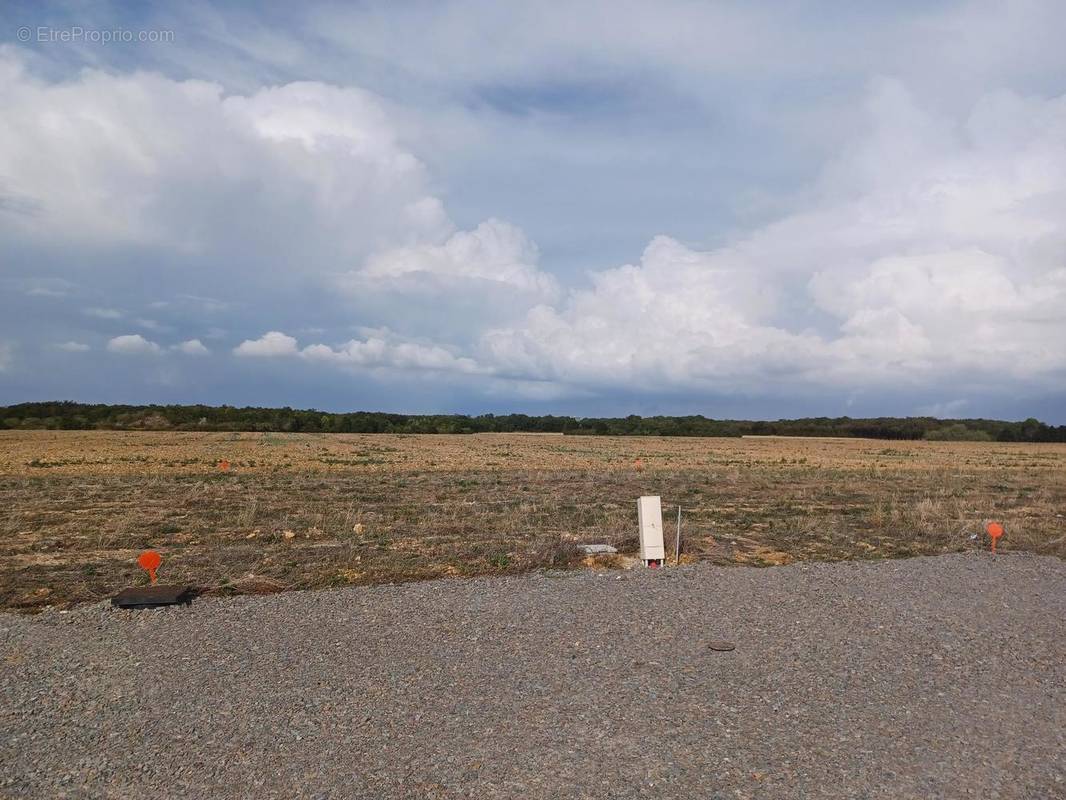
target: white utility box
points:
(650, 522)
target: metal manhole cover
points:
(722, 646)
(152, 596)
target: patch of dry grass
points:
(307, 511)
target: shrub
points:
(957, 433)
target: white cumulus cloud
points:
(314, 169)
(192, 347)
(929, 252)
(73, 347)
(495, 252)
(380, 349)
(269, 345)
(133, 344)
(935, 251)
(680, 317)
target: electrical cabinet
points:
(650, 522)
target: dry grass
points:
(306, 511)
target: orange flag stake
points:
(150, 561)
(995, 530)
(223, 465)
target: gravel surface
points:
(929, 677)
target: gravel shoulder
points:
(925, 677)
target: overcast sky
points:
(599, 208)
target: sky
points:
(742, 210)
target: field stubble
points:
(317, 510)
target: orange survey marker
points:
(150, 561)
(995, 530)
(223, 465)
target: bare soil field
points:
(316, 510)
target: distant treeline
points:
(80, 416)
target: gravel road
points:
(923, 678)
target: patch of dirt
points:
(319, 510)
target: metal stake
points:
(677, 539)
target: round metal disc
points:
(722, 647)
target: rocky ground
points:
(924, 677)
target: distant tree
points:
(79, 416)
(957, 433)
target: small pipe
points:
(677, 539)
